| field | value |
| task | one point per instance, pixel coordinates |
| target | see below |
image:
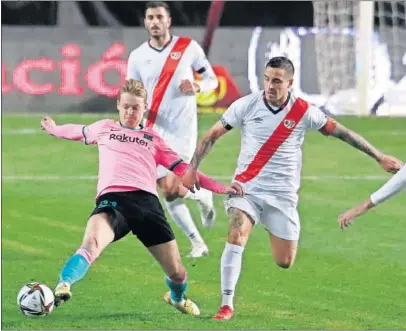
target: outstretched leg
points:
(98, 236)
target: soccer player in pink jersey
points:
(166, 64)
(126, 199)
(392, 187)
(273, 123)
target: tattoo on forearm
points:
(356, 141)
(201, 151)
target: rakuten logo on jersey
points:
(123, 138)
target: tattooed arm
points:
(335, 129)
(206, 143)
(189, 178)
(356, 141)
(232, 117)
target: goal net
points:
(361, 56)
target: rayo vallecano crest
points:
(289, 124)
(175, 55)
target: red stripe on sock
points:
(86, 254)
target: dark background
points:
(184, 13)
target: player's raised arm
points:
(335, 129)
(76, 132)
(66, 131)
(392, 187)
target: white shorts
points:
(281, 220)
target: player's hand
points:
(47, 123)
(189, 88)
(190, 180)
(234, 189)
(345, 219)
(390, 164)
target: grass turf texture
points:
(341, 280)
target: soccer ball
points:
(35, 299)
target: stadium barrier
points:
(81, 70)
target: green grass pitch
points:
(354, 279)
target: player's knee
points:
(285, 263)
(170, 189)
(169, 192)
(170, 195)
(237, 237)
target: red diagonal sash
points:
(165, 77)
(277, 138)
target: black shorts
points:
(136, 211)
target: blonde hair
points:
(134, 87)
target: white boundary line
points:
(39, 114)
(31, 131)
(21, 132)
(92, 177)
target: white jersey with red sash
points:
(270, 161)
(171, 113)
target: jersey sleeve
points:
(132, 70)
(233, 116)
(393, 186)
(202, 66)
(166, 156)
(200, 62)
(91, 132)
(315, 118)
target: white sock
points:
(198, 195)
(180, 214)
(190, 195)
(231, 261)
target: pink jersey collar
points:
(139, 127)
